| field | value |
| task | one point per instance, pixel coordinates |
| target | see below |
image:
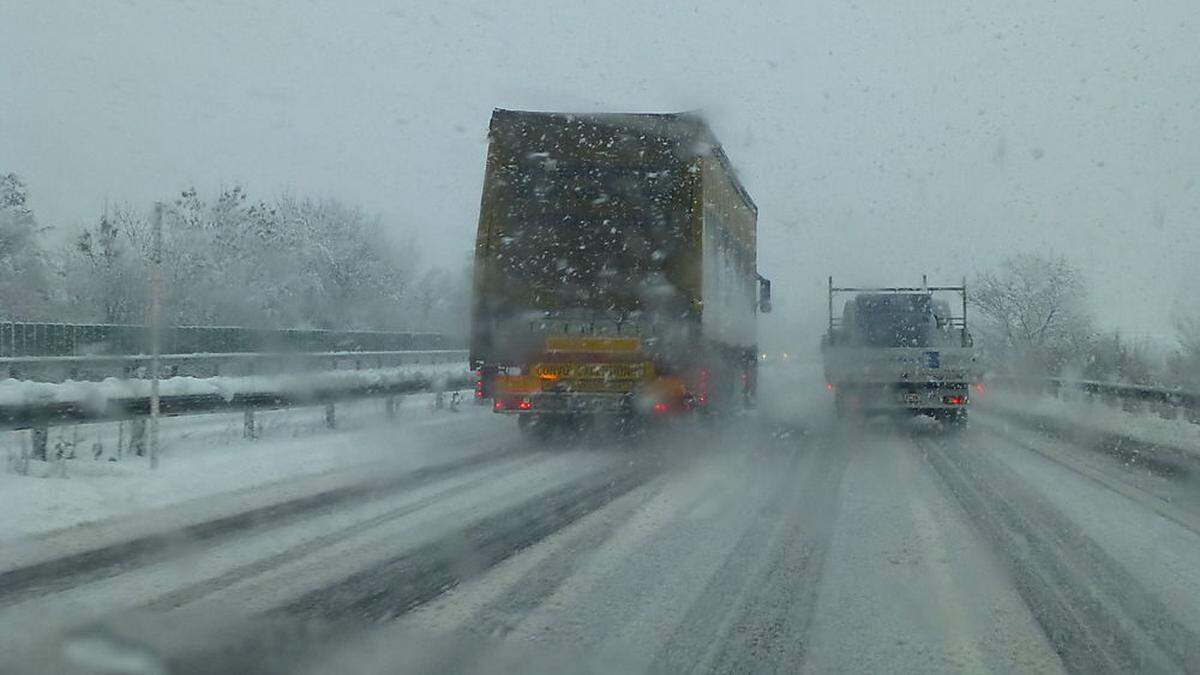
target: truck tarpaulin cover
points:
(602, 219)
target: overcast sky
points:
(881, 140)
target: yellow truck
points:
(615, 270)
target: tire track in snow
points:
(498, 618)
(1096, 615)
(70, 571)
(1164, 460)
(193, 592)
(762, 617)
(1188, 518)
(398, 585)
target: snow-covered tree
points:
(1184, 366)
(439, 300)
(208, 258)
(26, 290)
(1116, 359)
(106, 270)
(338, 269)
(1035, 313)
(291, 263)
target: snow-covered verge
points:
(1145, 426)
(24, 392)
(206, 455)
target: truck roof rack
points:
(924, 288)
(895, 289)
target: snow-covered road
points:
(766, 543)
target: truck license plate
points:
(912, 398)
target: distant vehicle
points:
(615, 270)
(900, 350)
(776, 356)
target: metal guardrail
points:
(98, 367)
(19, 338)
(62, 413)
(39, 416)
(1164, 399)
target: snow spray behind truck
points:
(900, 349)
(615, 269)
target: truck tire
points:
(534, 427)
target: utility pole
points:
(831, 306)
(964, 311)
(155, 331)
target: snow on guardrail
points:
(1171, 399)
(100, 367)
(24, 392)
(1084, 416)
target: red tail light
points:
(661, 407)
(829, 386)
(980, 388)
(954, 400)
(512, 404)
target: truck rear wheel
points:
(533, 426)
(955, 420)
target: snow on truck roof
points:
(629, 137)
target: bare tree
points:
(1035, 312)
